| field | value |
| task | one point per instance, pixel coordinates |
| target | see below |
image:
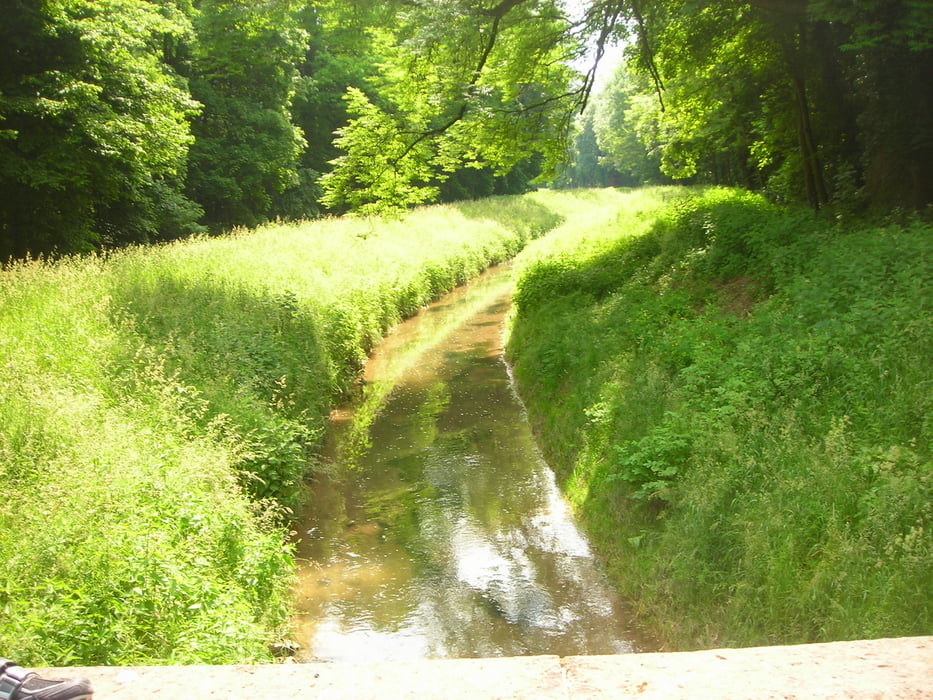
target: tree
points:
(243, 71)
(337, 55)
(94, 125)
(585, 166)
(626, 120)
(813, 98)
(126, 120)
(724, 116)
(465, 84)
(886, 51)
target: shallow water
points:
(440, 531)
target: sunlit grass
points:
(738, 400)
(159, 409)
(738, 396)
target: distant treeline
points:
(823, 101)
(126, 121)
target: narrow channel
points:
(436, 529)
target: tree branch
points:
(497, 13)
(647, 52)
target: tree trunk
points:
(810, 159)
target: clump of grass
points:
(124, 534)
(739, 401)
(159, 409)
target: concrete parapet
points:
(885, 668)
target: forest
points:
(138, 121)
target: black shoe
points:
(18, 684)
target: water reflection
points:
(442, 533)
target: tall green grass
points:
(739, 399)
(159, 409)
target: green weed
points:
(738, 400)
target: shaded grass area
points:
(738, 398)
(159, 409)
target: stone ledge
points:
(885, 668)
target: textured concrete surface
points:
(887, 668)
(899, 668)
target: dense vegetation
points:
(810, 100)
(745, 383)
(738, 411)
(737, 397)
(159, 409)
(127, 121)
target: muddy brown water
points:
(437, 530)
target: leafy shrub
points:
(653, 464)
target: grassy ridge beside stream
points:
(738, 399)
(159, 408)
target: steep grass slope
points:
(738, 398)
(159, 409)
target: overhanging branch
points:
(497, 13)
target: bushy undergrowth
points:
(739, 400)
(159, 408)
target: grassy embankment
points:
(159, 408)
(738, 399)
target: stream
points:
(435, 528)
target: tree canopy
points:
(463, 84)
(141, 120)
(94, 124)
(816, 100)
